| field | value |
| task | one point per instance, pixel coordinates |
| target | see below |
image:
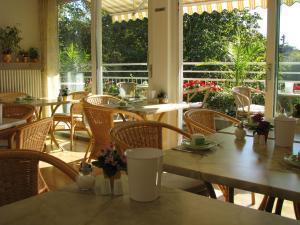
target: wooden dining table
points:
(240, 164)
(69, 206)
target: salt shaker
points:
(240, 132)
(85, 180)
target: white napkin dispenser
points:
(284, 131)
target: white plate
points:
(208, 145)
(292, 160)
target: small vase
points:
(113, 180)
(7, 58)
(65, 98)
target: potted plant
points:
(162, 97)
(33, 54)
(25, 57)
(9, 42)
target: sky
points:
(289, 23)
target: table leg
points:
(210, 190)
(160, 116)
(270, 204)
(279, 204)
(53, 110)
(231, 194)
(263, 203)
(297, 210)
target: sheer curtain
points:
(49, 49)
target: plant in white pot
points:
(9, 41)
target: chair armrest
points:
(254, 90)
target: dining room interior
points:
(149, 111)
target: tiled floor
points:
(55, 179)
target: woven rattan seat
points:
(32, 136)
(73, 120)
(243, 101)
(19, 173)
(101, 120)
(149, 134)
(203, 120)
(102, 99)
(16, 111)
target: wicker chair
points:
(190, 94)
(102, 99)
(74, 120)
(101, 120)
(19, 173)
(149, 134)
(10, 97)
(32, 136)
(203, 120)
(126, 89)
(244, 106)
(16, 111)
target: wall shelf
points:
(21, 66)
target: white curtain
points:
(50, 52)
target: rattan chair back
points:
(102, 99)
(77, 108)
(142, 134)
(203, 120)
(33, 135)
(19, 111)
(11, 96)
(126, 89)
(19, 173)
(101, 120)
(242, 97)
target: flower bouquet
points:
(260, 126)
(110, 161)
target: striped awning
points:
(125, 10)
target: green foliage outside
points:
(215, 37)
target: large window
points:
(288, 95)
(74, 34)
(125, 47)
(225, 49)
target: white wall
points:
(24, 15)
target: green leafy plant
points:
(241, 53)
(221, 101)
(9, 39)
(33, 53)
(74, 60)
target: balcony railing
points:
(205, 71)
